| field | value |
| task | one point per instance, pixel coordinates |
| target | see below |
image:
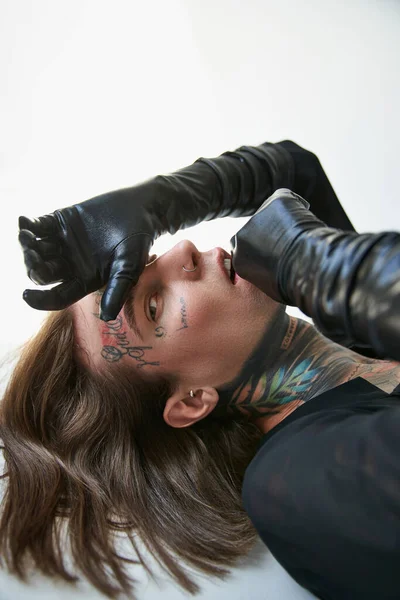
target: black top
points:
(323, 492)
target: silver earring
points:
(191, 393)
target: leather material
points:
(312, 183)
(106, 240)
(348, 283)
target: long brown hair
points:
(92, 451)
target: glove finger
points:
(59, 297)
(44, 272)
(45, 248)
(44, 226)
(34, 266)
(114, 297)
(129, 261)
(52, 271)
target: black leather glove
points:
(106, 240)
(348, 283)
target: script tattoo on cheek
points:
(183, 314)
(116, 344)
(121, 345)
(160, 331)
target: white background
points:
(100, 95)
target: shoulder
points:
(384, 374)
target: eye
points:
(152, 308)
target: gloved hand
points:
(348, 283)
(106, 240)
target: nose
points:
(188, 254)
(184, 254)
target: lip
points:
(222, 254)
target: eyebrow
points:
(128, 310)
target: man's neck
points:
(292, 364)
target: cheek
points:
(205, 311)
(196, 317)
(209, 323)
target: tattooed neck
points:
(292, 364)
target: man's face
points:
(196, 325)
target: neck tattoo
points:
(292, 364)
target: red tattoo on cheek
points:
(112, 331)
(116, 344)
(105, 335)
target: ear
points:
(182, 410)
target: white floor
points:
(265, 579)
